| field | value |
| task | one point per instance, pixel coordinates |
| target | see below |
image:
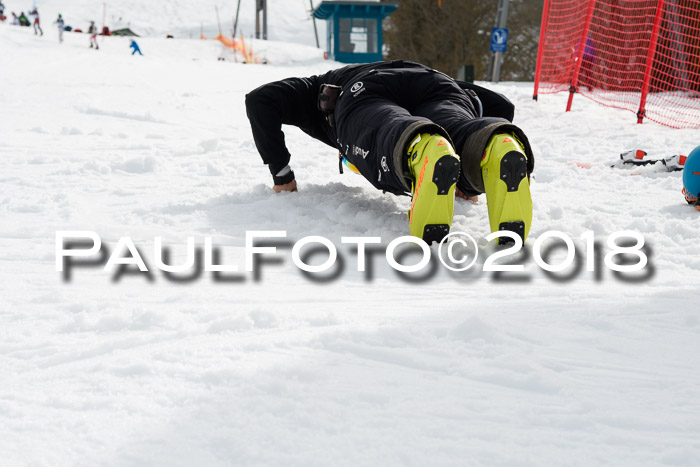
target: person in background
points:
(587, 64)
(23, 21)
(34, 14)
(136, 48)
(15, 19)
(2, 12)
(92, 30)
(61, 25)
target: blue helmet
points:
(691, 177)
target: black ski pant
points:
(380, 111)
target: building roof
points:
(358, 9)
(124, 32)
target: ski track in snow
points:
(453, 370)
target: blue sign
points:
(499, 39)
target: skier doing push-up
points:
(409, 130)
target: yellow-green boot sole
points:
(507, 185)
(435, 167)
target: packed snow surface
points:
(275, 368)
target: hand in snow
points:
(459, 194)
(291, 186)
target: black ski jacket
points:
(294, 101)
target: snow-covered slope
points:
(366, 369)
(288, 20)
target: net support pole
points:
(313, 19)
(540, 47)
(650, 60)
(235, 22)
(218, 21)
(261, 10)
(258, 7)
(104, 16)
(264, 3)
(579, 55)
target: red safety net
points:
(638, 55)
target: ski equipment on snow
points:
(637, 157)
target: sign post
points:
(499, 40)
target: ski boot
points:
(435, 168)
(507, 185)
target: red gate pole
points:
(650, 60)
(579, 57)
(540, 47)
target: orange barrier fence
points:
(238, 45)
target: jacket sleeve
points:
(290, 102)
